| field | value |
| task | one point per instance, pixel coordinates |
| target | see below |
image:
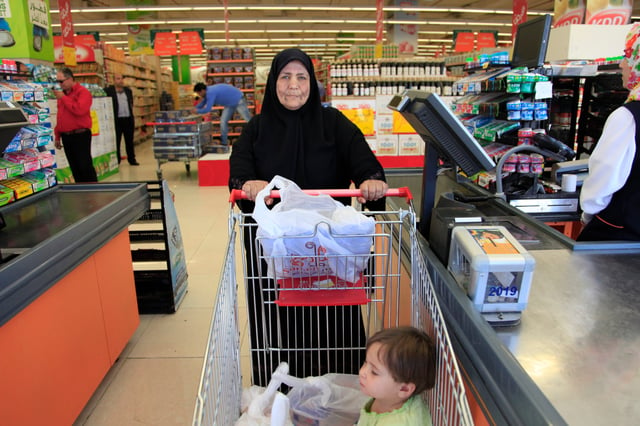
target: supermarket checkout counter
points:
(574, 356)
(67, 296)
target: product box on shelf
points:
(37, 179)
(46, 158)
(171, 116)
(193, 124)
(6, 195)
(29, 162)
(582, 42)
(10, 170)
(21, 188)
(387, 145)
(50, 175)
(30, 137)
(175, 140)
(410, 145)
(176, 153)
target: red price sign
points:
(165, 44)
(190, 43)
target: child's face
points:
(375, 380)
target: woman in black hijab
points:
(318, 148)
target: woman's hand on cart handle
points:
(371, 190)
(237, 194)
(251, 188)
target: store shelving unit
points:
(234, 66)
(27, 152)
(386, 76)
(602, 94)
(581, 105)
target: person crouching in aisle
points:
(73, 127)
(226, 95)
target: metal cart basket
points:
(179, 138)
(394, 280)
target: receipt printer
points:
(493, 269)
(576, 167)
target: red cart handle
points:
(238, 194)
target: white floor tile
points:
(178, 335)
(159, 392)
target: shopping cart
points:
(394, 279)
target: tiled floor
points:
(156, 379)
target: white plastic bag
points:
(329, 400)
(330, 238)
(266, 406)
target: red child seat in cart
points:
(323, 290)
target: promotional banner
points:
(519, 16)
(164, 43)
(25, 30)
(83, 50)
(568, 12)
(140, 40)
(139, 14)
(401, 125)
(361, 112)
(66, 23)
(191, 41)
(406, 35)
(181, 66)
(608, 12)
(486, 39)
(463, 40)
(379, 28)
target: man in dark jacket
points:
(122, 98)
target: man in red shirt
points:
(73, 126)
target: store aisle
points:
(155, 381)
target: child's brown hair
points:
(409, 354)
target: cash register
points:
(447, 139)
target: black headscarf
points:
(286, 130)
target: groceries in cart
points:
(313, 242)
(332, 399)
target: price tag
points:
(544, 90)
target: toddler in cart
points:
(399, 366)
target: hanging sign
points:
(68, 44)
(83, 49)
(463, 40)
(568, 12)
(608, 12)
(486, 39)
(406, 35)
(226, 20)
(191, 41)
(140, 40)
(164, 43)
(519, 16)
